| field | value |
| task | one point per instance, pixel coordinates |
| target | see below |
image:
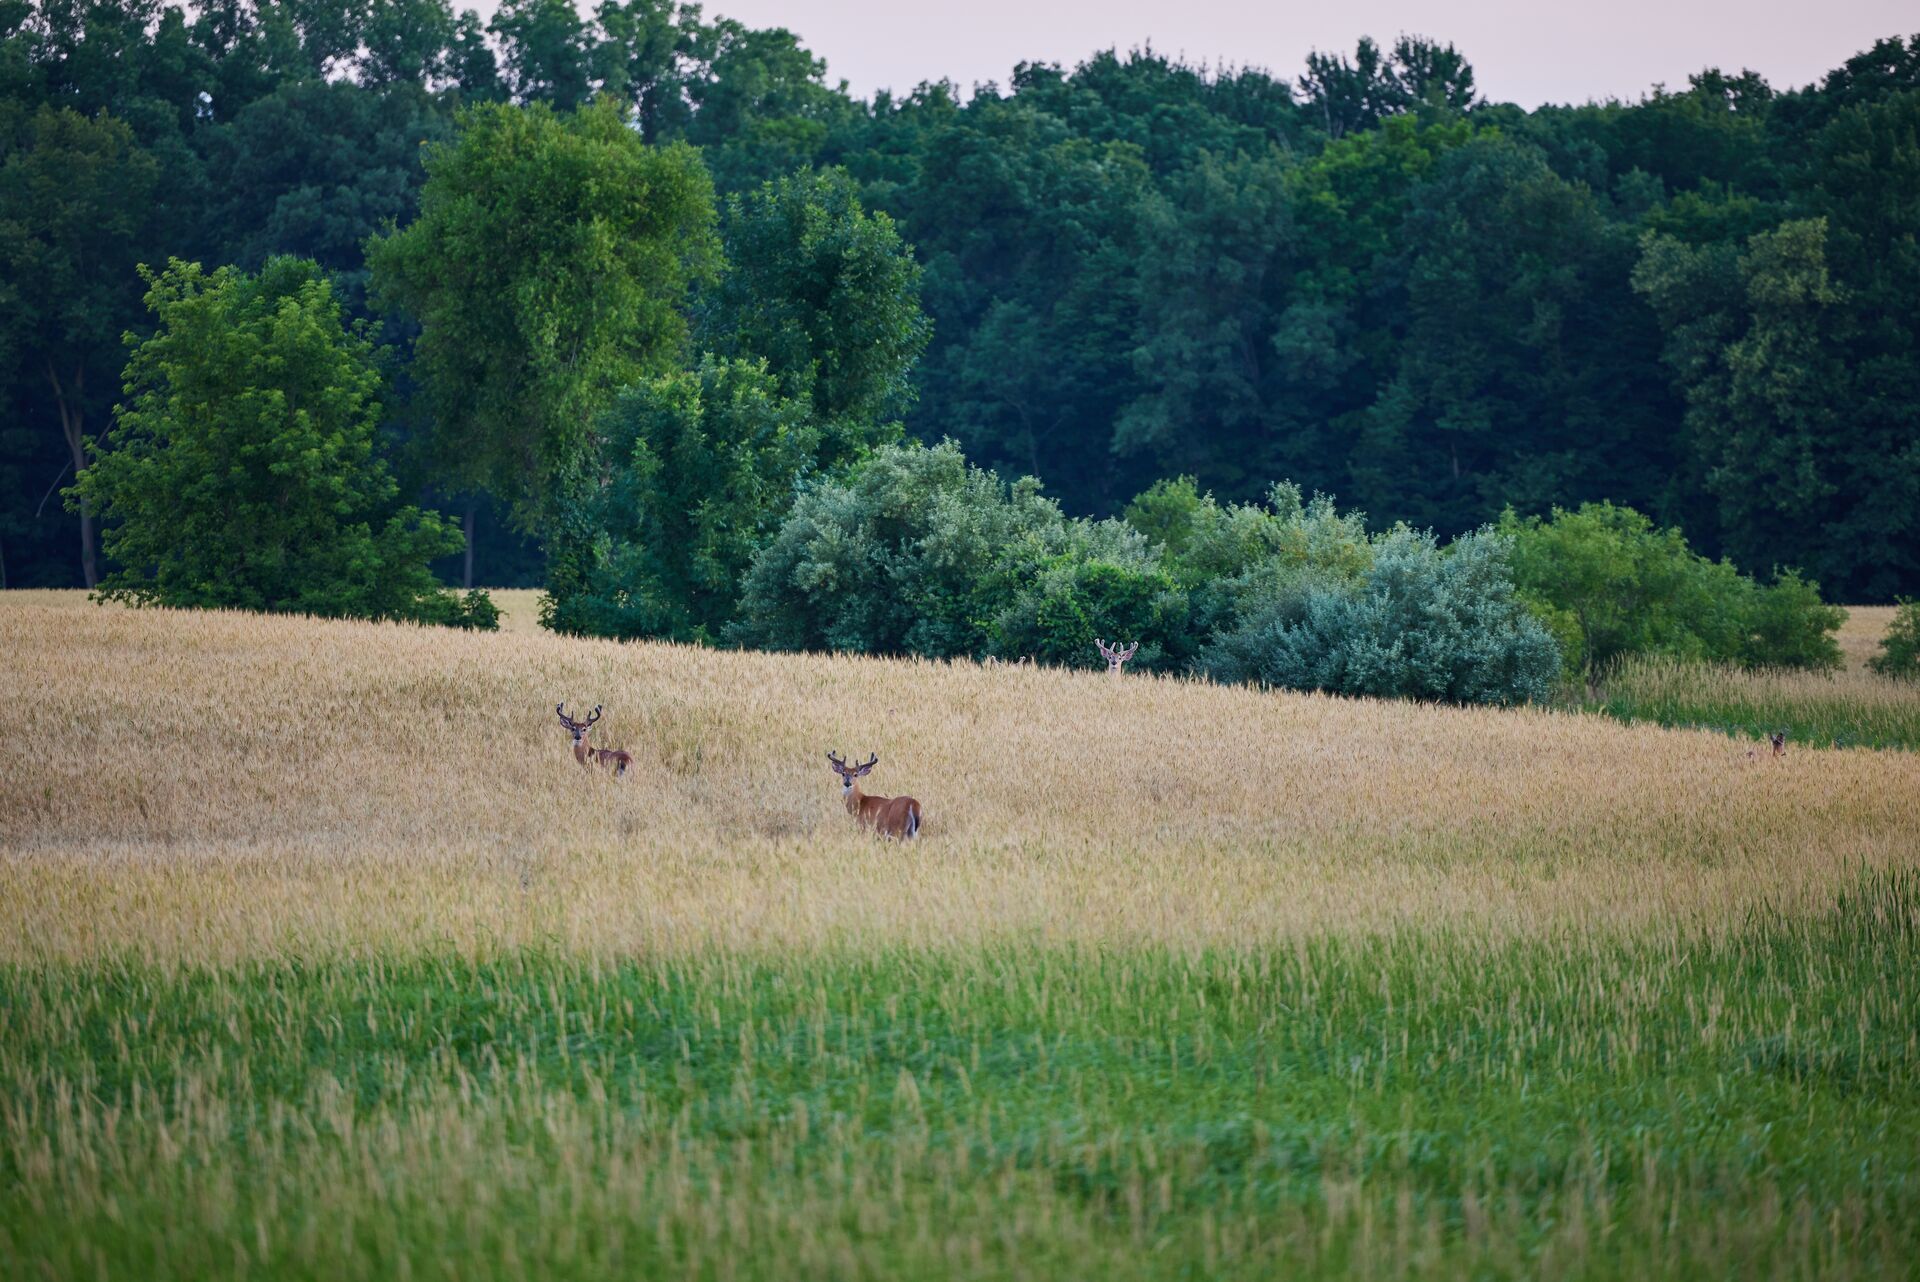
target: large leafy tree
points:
(829, 297)
(75, 203)
(547, 50)
(244, 472)
(1810, 461)
(1527, 373)
(548, 269)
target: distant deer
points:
(888, 816)
(618, 758)
(1115, 655)
(1779, 741)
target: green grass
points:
(1742, 1101)
(1855, 709)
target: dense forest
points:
(1704, 305)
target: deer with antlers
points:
(1115, 654)
(888, 816)
(585, 754)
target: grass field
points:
(319, 957)
(1852, 708)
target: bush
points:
(1608, 583)
(1900, 649)
(473, 610)
(1105, 584)
(1789, 626)
(903, 556)
(1421, 623)
(243, 473)
(702, 466)
(1223, 556)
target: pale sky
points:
(1521, 52)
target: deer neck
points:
(580, 750)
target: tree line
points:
(1702, 305)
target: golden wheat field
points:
(320, 957)
(219, 785)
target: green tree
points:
(1899, 654)
(703, 465)
(244, 474)
(1608, 582)
(549, 268)
(828, 296)
(75, 204)
(546, 47)
(1807, 460)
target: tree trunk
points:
(466, 579)
(73, 427)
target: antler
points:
(594, 715)
(560, 710)
(1105, 653)
(838, 761)
(1128, 652)
(869, 763)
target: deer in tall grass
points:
(888, 816)
(585, 754)
(1116, 655)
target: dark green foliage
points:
(828, 296)
(1610, 583)
(1420, 623)
(1103, 585)
(548, 269)
(1899, 654)
(702, 466)
(75, 207)
(243, 472)
(1701, 304)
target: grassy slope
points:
(1852, 708)
(318, 957)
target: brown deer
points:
(1115, 655)
(1779, 741)
(888, 816)
(618, 758)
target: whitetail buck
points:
(888, 816)
(1115, 655)
(585, 755)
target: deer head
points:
(1115, 654)
(578, 729)
(849, 773)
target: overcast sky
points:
(1521, 52)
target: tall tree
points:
(1806, 469)
(549, 268)
(243, 472)
(829, 297)
(545, 46)
(75, 199)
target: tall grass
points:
(1850, 709)
(320, 957)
